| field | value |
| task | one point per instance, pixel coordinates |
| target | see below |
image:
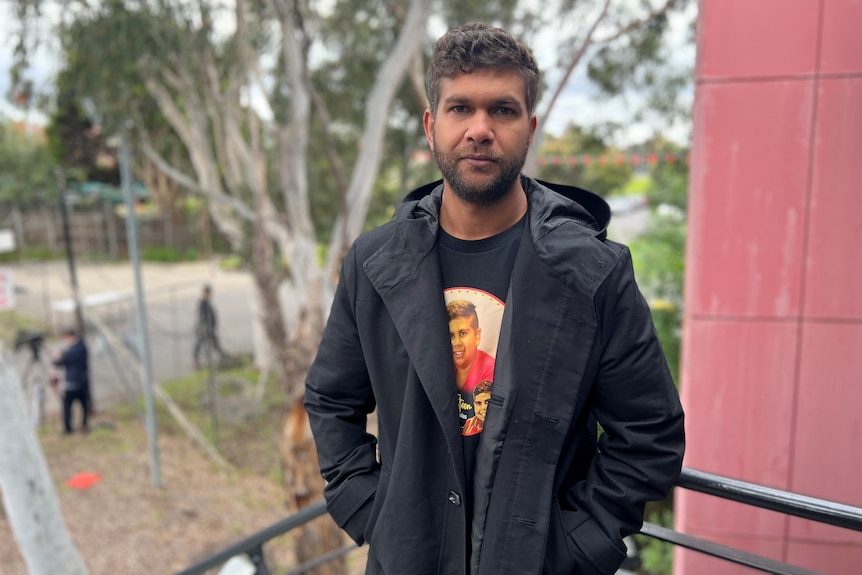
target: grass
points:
(636, 186)
(248, 429)
(31, 253)
(168, 254)
(245, 430)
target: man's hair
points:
(483, 386)
(463, 308)
(479, 46)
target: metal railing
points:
(787, 502)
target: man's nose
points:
(481, 129)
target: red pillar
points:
(772, 344)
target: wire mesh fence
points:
(171, 293)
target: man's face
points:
(465, 341)
(480, 134)
(480, 404)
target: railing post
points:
(256, 556)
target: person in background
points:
(73, 358)
(206, 327)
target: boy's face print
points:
(480, 404)
(465, 341)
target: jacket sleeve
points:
(338, 399)
(634, 399)
(71, 355)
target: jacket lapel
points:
(406, 275)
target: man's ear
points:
(533, 123)
(428, 122)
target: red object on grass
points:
(83, 480)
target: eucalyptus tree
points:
(25, 168)
(27, 492)
(237, 85)
(622, 43)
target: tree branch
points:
(636, 23)
(531, 166)
(389, 79)
(190, 183)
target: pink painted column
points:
(772, 344)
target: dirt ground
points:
(125, 526)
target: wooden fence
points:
(101, 232)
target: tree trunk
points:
(29, 499)
(303, 484)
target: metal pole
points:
(143, 338)
(176, 340)
(70, 254)
(213, 391)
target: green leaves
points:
(26, 167)
(601, 178)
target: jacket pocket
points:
(559, 552)
(595, 553)
(379, 499)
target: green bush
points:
(168, 254)
(32, 253)
(656, 556)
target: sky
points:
(579, 102)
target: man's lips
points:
(478, 160)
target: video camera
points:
(32, 339)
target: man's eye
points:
(459, 109)
(505, 111)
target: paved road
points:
(627, 224)
(171, 292)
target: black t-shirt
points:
(475, 280)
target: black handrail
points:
(819, 510)
(724, 552)
(254, 541)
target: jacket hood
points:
(563, 201)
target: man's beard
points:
(488, 191)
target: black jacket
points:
(581, 347)
(74, 360)
(207, 322)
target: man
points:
(77, 378)
(205, 328)
(537, 493)
(471, 363)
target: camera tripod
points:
(35, 379)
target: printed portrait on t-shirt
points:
(475, 317)
(481, 397)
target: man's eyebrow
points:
(501, 101)
(507, 100)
